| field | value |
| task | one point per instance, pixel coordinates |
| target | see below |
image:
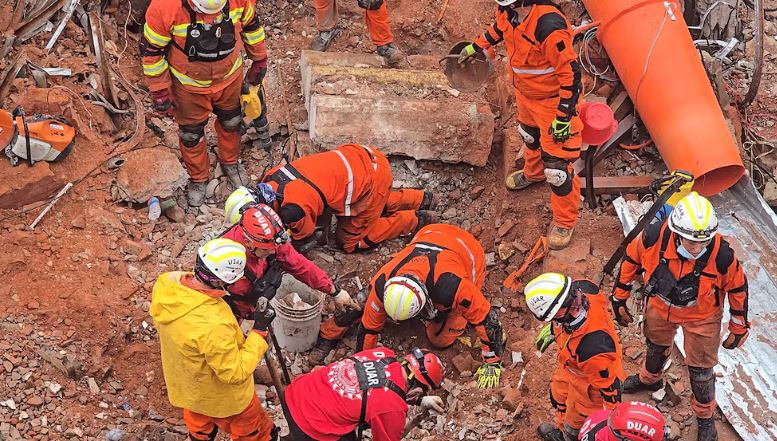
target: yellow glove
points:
(544, 338)
(560, 130)
(488, 375)
(468, 51)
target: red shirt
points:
(590, 431)
(326, 403)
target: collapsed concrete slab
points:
(23, 185)
(351, 98)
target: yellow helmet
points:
(694, 218)
(404, 297)
(235, 202)
(546, 293)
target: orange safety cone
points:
(649, 45)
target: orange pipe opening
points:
(649, 45)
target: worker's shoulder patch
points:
(595, 343)
(725, 256)
(547, 24)
(444, 290)
(651, 234)
(291, 213)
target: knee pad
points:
(702, 384)
(191, 134)
(655, 357)
(558, 175)
(370, 5)
(231, 120)
(530, 135)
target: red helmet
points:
(427, 367)
(262, 227)
(636, 421)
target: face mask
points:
(687, 254)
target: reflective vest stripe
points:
(533, 71)
(154, 37)
(251, 38)
(471, 257)
(155, 69)
(349, 194)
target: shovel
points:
(261, 305)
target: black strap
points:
(281, 179)
(430, 254)
(383, 363)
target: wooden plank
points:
(619, 184)
(624, 128)
(621, 105)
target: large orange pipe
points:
(649, 45)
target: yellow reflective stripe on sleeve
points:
(180, 30)
(235, 14)
(248, 14)
(189, 81)
(254, 37)
(154, 37)
(155, 69)
(237, 65)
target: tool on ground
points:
(536, 254)
(262, 305)
(254, 105)
(469, 76)
(664, 189)
(37, 138)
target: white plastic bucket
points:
(296, 329)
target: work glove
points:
(621, 311)
(256, 72)
(433, 403)
(545, 338)
(343, 300)
(263, 318)
(735, 340)
(468, 51)
(560, 129)
(163, 102)
(488, 375)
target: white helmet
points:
(546, 293)
(237, 200)
(220, 259)
(403, 297)
(505, 2)
(209, 6)
(694, 218)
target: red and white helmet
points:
(262, 228)
(636, 421)
(427, 368)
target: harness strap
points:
(421, 249)
(287, 174)
(382, 363)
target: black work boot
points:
(549, 432)
(707, 430)
(633, 384)
(429, 202)
(425, 217)
(391, 54)
(324, 39)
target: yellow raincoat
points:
(208, 364)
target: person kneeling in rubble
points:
(438, 278)
(590, 373)
(207, 363)
(260, 229)
(371, 389)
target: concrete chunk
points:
(350, 98)
(23, 185)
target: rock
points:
(501, 414)
(674, 430)
(511, 397)
(490, 259)
(659, 395)
(517, 357)
(633, 352)
(79, 222)
(8, 366)
(464, 362)
(176, 214)
(33, 304)
(23, 185)
(9, 403)
(476, 192)
(114, 435)
(505, 251)
(450, 213)
(150, 172)
(93, 387)
(505, 227)
(572, 261)
(154, 416)
(54, 387)
(262, 375)
(35, 400)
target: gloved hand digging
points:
(256, 72)
(433, 403)
(545, 338)
(262, 319)
(163, 102)
(489, 374)
(343, 300)
(469, 51)
(621, 312)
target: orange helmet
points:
(636, 421)
(262, 227)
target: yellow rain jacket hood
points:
(208, 364)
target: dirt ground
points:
(79, 351)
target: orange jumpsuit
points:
(547, 82)
(590, 373)
(699, 315)
(377, 21)
(451, 263)
(352, 181)
(201, 87)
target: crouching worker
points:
(208, 364)
(589, 374)
(371, 390)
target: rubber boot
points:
(391, 54)
(429, 202)
(633, 384)
(549, 432)
(707, 430)
(195, 193)
(324, 39)
(570, 433)
(426, 217)
(559, 238)
(517, 181)
(236, 176)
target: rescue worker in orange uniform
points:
(590, 373)
(438, 277)
(353, 182)
(688, 270)
(548, 82)
(208, 363)
(193, 64)
(377, 19)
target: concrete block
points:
(351, 98)
(23, 185)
